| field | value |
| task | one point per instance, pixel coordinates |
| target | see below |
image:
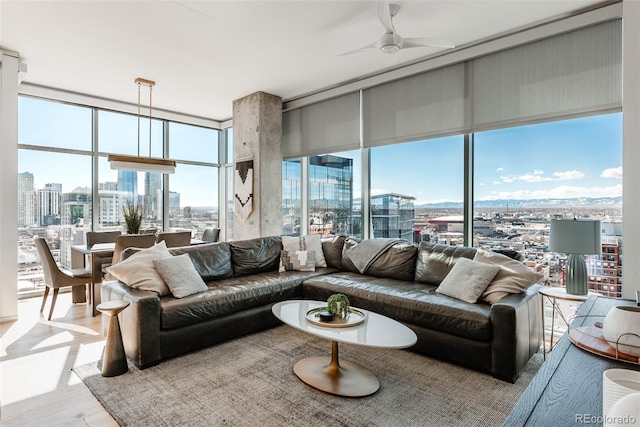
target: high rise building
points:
(26, 200)
(49, 204)
(153, 195)
(392, 215)
(605, 270)
(76, 207)
(128, 183)
(330, 196)
(76, 220)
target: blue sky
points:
(564, 159)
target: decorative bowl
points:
(621, 327)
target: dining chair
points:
(94, 237)
(131, 241)
(211, 234)
(174, 239)
(54, 277)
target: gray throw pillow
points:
(467, 280)
(298, 260)
(180, 275)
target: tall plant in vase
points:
(132, 217)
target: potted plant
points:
(132, 217)
(338, 304)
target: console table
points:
(568, 387)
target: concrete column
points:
(257, 132)
(8, 185)
(630, 149)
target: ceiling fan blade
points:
(427, 42)
(384, 15)
(360, 49)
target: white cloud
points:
(561, 192)
(499, 170)
(497, 182)
(612, 173)
(538, 176)
(568, 175)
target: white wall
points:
(631, 149)
(8, 185)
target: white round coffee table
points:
(342, 377)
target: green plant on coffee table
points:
(132, 217)
(338, 304)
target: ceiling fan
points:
(391, 41)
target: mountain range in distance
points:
(585, 202)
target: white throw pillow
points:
(513, 278)
(311, 242)
(139, 272)
(180, 275)
(467, 280)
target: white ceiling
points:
(205, 54)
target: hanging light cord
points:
(138, 119)
(150, 91)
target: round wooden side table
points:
(114, 360)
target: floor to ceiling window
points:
(66, 187)
(417, 190)
(334, 194)
(527, 175)
(193, 189)
(291, 197)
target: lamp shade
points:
(574, 236)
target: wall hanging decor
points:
(243, 188)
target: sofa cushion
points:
(138, 271)
(332, 250)
(180, 275)
(467, 280)
(233, 295)
(409, 302)
(513, 278)
(212, 261)
(255, 255)
(435, 260)
(398, 262)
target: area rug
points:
(249, 381)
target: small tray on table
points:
(355, 317)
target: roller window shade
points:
(326, 127)
(423, 106)
(571, 74)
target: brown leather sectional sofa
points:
(244, 282)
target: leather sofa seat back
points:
(332, 250)
(211, 260)
(399, 262)
(257, 255)
(436, 260)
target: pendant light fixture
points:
(137, 163)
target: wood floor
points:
(37, 386)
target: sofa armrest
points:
(516, 328)
(139, 323)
